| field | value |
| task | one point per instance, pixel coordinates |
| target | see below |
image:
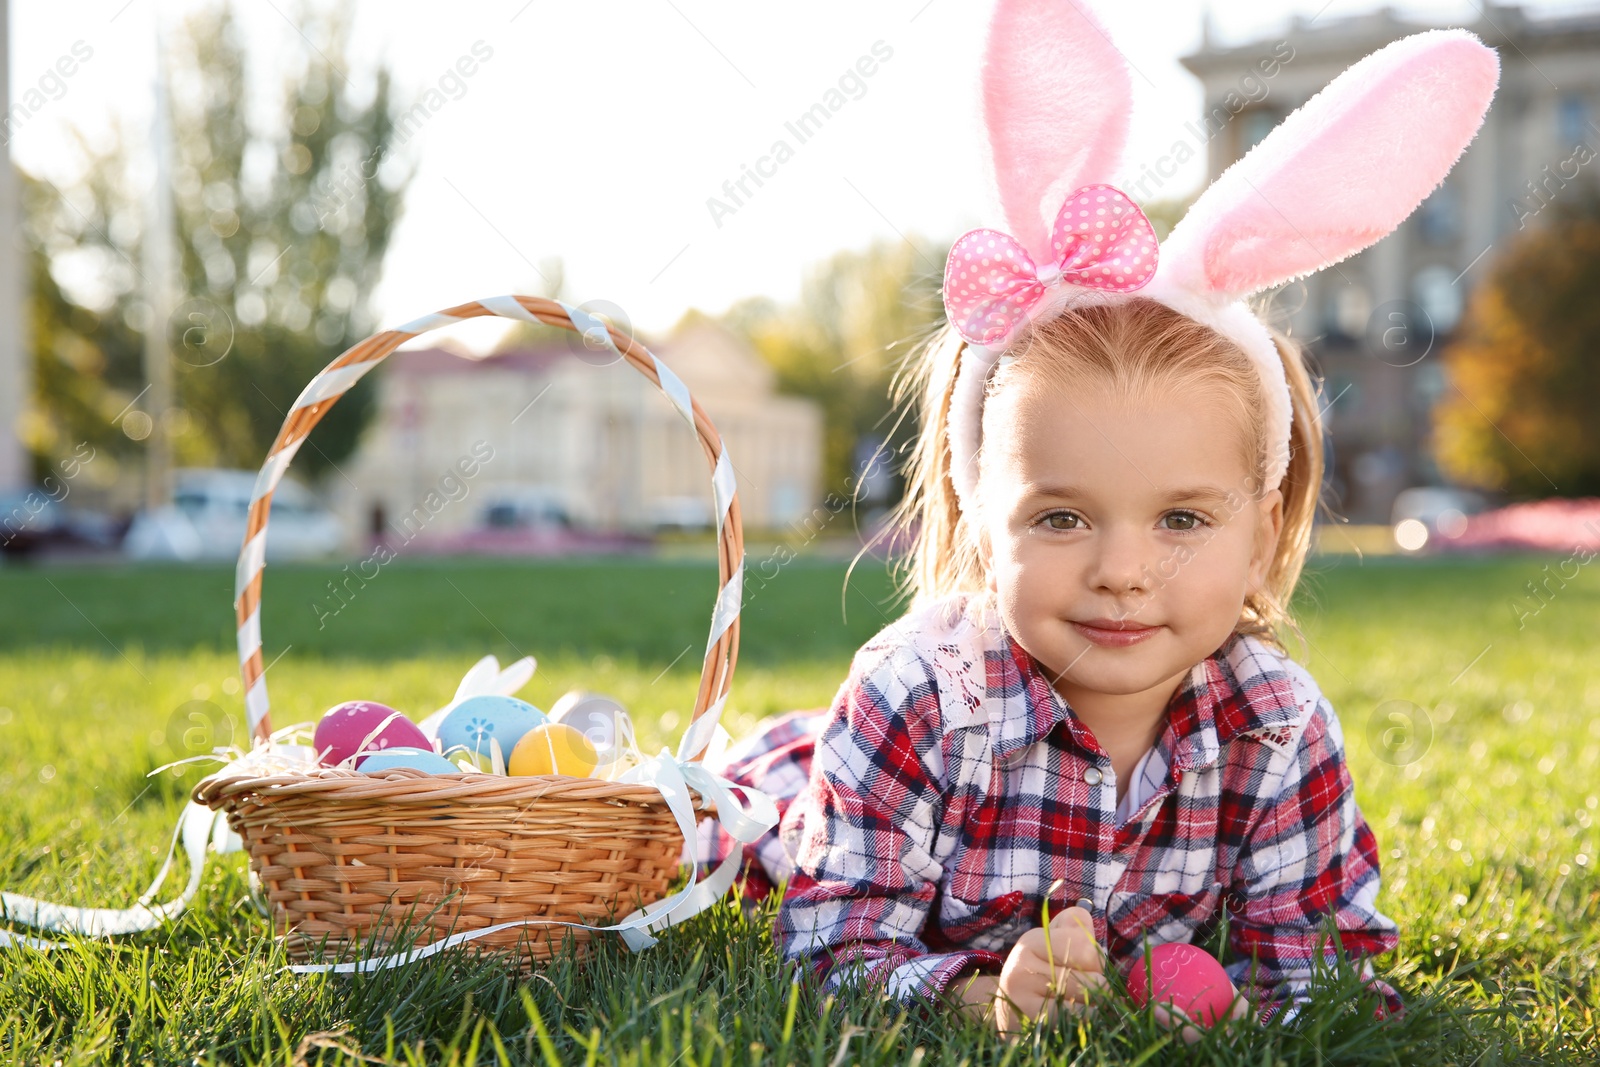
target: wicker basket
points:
(350, 859)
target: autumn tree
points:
(1525, 363)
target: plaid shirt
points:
(930, 810)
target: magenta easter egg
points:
(359, 725)
(1184, 977)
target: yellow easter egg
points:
(553, 748)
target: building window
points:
(1431, 382)
(1254, 127)
(1572, 121)
(1436, 292)
(1348, 309)
(788, 504)
(1341, 392)
(1439, 217)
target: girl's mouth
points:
(1114, 636)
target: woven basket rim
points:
(405, 786)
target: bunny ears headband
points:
(1333, 178)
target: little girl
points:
(1111, 500)
(1085, 703)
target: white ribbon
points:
(198, 828)
(705, 738)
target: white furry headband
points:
(1333, 178)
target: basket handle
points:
(722, 648)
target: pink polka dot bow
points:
(1101, 240)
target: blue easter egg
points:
(422, 759)
(475, 720)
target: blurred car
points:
(531, 509)
(1427, 513)
(33, 521)
(208, 514)
(29, 518)
(680, 513)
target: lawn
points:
(1472, 723)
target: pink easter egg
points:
(1184, 977)
(344, 728)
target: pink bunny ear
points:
(1056, 100)
(1342, 171)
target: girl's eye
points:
(1187, 521)
(1062, 520)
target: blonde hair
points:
(1136, 346)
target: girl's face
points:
(1122, 539)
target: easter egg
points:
(351, 726)
(1185, 977)
(554, 748)
(422, 759)
(599, 718)
(472, 723)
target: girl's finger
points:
(1090, 981)
(1033, 986)
(1169, 1019)
(1074, 986)
(1073, 943)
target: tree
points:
(859, 315)
(281, 234)
(1165, 214)
(1528, 383)
(86, 362)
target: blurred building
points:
(561, 435)
(1379, 322)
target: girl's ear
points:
(1268, 530)
(1341, 172)
(1056, 102)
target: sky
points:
(597, 132)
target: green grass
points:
(1487, 839)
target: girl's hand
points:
(1168, 1018)
(1047, 967)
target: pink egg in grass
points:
(346, 727)
(1184, 977)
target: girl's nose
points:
(1121, 565)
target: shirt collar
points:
(1239, 689)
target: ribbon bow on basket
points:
(1101, 240)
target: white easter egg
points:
(599, 718)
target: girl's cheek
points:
(1220, 567)
(1006, 550)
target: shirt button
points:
(1092, 776)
